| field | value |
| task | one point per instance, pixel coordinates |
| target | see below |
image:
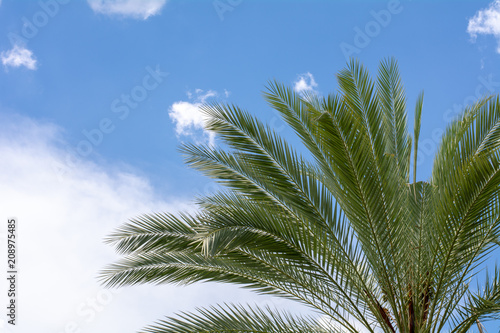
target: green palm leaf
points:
(341, 228)
(239, 319)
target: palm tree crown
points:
(345, 231)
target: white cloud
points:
(188, 118)
(61, 225)
(486, 22)
(138, 9)
(18, 56)
(305, 83)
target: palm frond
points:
(392, 101)
(238, 319)
(416, 135)
(340, 228)
(482, 305)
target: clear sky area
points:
(97, 95)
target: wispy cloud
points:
(188, 118)
(486, 22)
(18, 56)
(61, 226)
(138, 9)
(305, 83)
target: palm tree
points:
(342, 229)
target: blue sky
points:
(96, 96)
